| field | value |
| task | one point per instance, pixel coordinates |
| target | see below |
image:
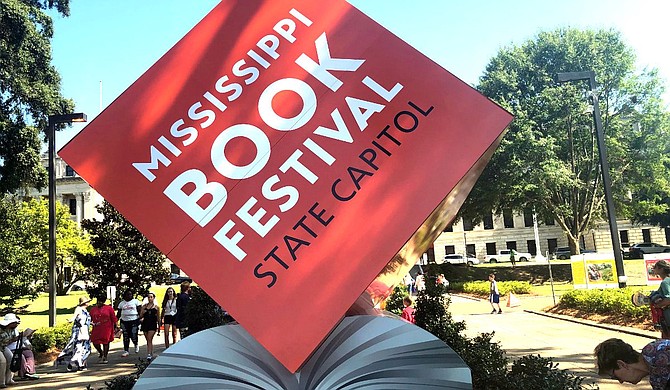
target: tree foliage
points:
(122, 256)
(548, 160)
(24, 248)
(29, 89)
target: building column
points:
(80, 207)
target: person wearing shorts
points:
(494, 294)
(169, 312)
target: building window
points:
(508, 219)
(552, 243)
(646, 235)
(491, 248)
(467, 224)
(531, 247)
(470, 250)
(511, 245)
(449, 228)
(449, 249)
(549, 221)
(69, 171)
(528, 218)
(488, 221)
(73, 206)
(623, 236)
(174, 269)
(667, 236)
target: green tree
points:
(30, 88)
(24, 247)
(548, 160)
(122, 256)
(650, 200)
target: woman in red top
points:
(104, 321)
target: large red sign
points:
(281, 154)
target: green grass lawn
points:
(35, 314)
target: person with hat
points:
(104, 322)
(8, 334)
(79, 346)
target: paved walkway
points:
(58, 378)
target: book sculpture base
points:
(363, 352)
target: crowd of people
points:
(98, 326)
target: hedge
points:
(481, 288)
(604, 301)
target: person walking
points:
(150, 320)
(409, 283)
(512, 257)
(129, 317)
(182, 304)
(79, 346)
(168, 314)
(494, 294)
(104, 321)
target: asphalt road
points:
(521, 333)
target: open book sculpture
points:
(363, 352)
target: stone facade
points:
(520, 235)
(72, 191)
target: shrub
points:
(604, 301)
(46, 338)
(535, 372)
(394, 301)
(486, 359)
(203, 312)
(481, 288)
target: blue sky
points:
(114, 42)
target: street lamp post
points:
(604, 167)
(51, 135)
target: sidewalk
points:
(534, 304)
(59, 378)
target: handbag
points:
(15, 364)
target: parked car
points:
(460, 259)
(563, 253)
(176, 279)
(637, 251)
(503, 255)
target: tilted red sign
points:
(281, 154)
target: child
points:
(494, 296)
(408, 311)
(661, 297)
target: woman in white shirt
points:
(168, 315)
(129, 316)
